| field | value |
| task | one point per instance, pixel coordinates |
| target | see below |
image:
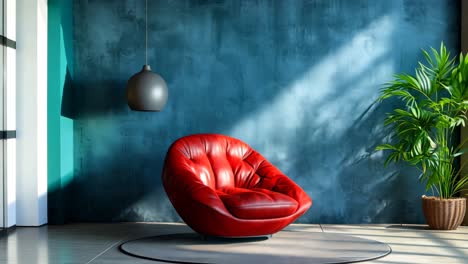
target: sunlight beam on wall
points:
(326, 102)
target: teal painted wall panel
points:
(60, 124)
(296, 80)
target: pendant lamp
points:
(146, 90)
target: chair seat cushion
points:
(257, 203)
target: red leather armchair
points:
(222, 187)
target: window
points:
(7, 113)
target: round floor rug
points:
(283, 247)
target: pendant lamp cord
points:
(146, 33)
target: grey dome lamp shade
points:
(146, 90)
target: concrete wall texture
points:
(297, 80)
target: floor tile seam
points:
(105, 250)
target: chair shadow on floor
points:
(197, 239)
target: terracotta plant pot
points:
(443, 214)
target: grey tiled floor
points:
(98, 243)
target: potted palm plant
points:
(434, 102)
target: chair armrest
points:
(273, 179)
(207, 197)
(183, 182)
(286, 186)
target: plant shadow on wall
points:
(296, 82)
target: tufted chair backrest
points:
(216, 160)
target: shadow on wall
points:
(295, 81)
(67, 107)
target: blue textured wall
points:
(294, 79)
